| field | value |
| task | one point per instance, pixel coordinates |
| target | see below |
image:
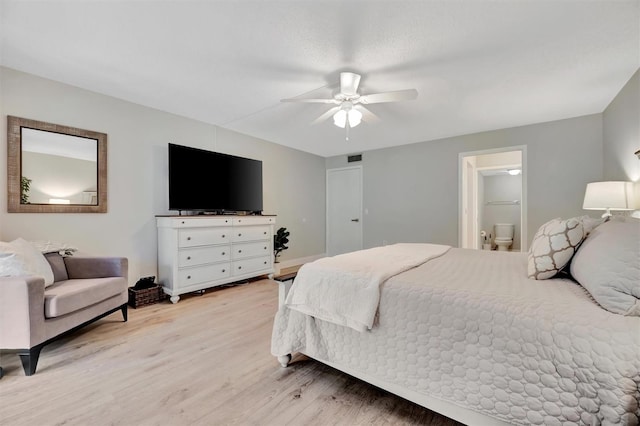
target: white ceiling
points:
(478, 65)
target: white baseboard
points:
(299, 261)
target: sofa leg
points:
(124, 312)
(29, 359)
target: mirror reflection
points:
(58, 168)
(52, 168)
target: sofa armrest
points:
(21, 312)
(96, 267)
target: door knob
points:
(355, 220)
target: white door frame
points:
(359, 168)
(523, 204)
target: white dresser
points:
(198, 252)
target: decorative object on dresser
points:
(199, 252)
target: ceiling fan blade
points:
(315, 101)
(400, 95)
(349, 83)
(367, 115)
(326, 115)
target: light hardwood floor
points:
(203, 361)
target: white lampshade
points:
(340, 118)
(609, 196)
(352, 115)
(355, 117)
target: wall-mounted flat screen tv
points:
(207, 181)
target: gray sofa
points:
(85, 289)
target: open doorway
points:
(492, 199)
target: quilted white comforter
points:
(326, 288)
(470, 328)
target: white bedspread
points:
(345, 289)
(471, 329)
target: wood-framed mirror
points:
(55, 169)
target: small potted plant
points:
(280, 241)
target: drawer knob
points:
(223, 253)
(265, 232)
(239, 267)
(222, 235)
(188, 257)
(224, 270)
(239, 251)
(183, 222)
(188, 238)
(265, 262)
(188, 277)
(265, 248)
(239, 235)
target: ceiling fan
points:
(349, 110)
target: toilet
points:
(504, 235)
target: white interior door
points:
(344, 210)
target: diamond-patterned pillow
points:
(553, 246)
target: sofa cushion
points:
(69, 296)
(57, 266)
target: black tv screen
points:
(201, 180)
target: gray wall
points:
(411, 191)
(621, 133)
(294, 181)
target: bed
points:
(468, 334)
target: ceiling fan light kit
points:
(347, 115)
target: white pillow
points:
(589, 223)
(553, 247)
(63, 249)
(19, 257)
(607, 265)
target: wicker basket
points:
(148, 296)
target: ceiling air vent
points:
(354, 158)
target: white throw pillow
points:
(19, 257)
(553, 247)
(607, 265)
(589, 223)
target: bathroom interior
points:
(492, 201)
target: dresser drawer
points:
(202, 255)
(200, 274)
(246, 266)
(243, 250)
(251, 233)
(254, 220)
(197, 222)
(203, 236)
